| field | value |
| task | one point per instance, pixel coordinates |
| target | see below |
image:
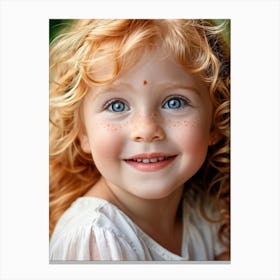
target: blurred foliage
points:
(57, 25)
(226, 33)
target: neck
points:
(157, 215)
(159, 218)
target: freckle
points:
(108, 125)
(170, 122)
(195, 123)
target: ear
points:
(84, 140)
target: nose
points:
(146, 129)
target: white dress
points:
(94, 229)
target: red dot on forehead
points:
(145, 82)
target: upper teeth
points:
(149, 160)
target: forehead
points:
(157, 67)
(151, 63)
(157, 71)
(109, 60)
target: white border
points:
(24, 138)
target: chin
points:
(153, 193)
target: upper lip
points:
(150, 156)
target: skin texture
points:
(147, 123)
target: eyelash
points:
(108, 105)
(183, 102)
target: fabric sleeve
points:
(78, 245)
(91, 244)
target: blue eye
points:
(117, 106)
(174, 103)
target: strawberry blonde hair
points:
(76, 57)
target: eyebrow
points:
(171, 85)
(108, 88)
(115, 86)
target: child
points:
(139, 141)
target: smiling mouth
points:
(150, 162)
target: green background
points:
(56, 25)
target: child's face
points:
(148, 131)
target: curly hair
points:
(75, 59)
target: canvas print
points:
(139, 140)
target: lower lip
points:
(150, 167)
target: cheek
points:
(190, 135)
(106, 141)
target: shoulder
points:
(93, 229)
(82, 213)
(201, 230)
